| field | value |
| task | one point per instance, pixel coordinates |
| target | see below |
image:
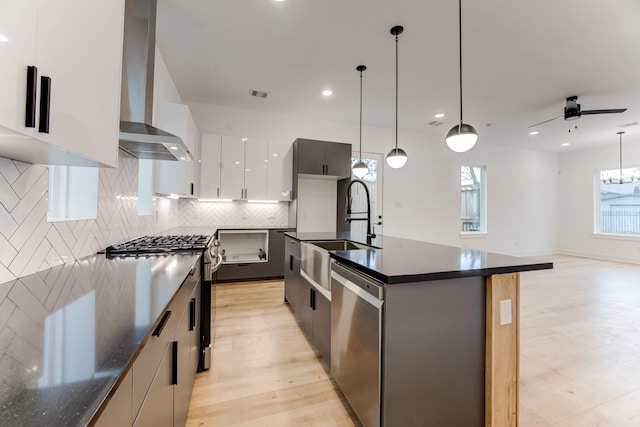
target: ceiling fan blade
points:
(609, 111)
(546, 121)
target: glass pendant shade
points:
(396, 158)
(462, 137)
(360, 169)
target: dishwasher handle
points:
(361, 292)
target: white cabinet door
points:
(176, 177)
(17, 51)
(79, 46)
(255, 169)
(232, 168)
(210, 166)
(279, 171)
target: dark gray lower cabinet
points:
(315, 318)
(306, 306)
(118, 409)
(156, 391)
(322, 326)
(157, 407)
(292, 273)
(270, 269)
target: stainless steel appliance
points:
(211, 261)
(315, 262)
(356, 340)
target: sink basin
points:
(339, 245)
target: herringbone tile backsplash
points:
(28, 243)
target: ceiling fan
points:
(572, 111)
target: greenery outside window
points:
(473, 189)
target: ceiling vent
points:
(259, 93)
(435, 123)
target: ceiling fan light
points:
(360, 169)
(396, 158)
(461, 138)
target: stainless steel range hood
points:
(137, 136)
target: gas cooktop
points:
(160, 244)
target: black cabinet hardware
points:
(32, 82)
(291, 262)
(192, 314)
(163, 322)
(45, 103)
(312, 298)
(192, 189)
(174, 367)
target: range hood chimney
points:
(137, 136)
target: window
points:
(619, 202)
(472, 199)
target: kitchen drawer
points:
(292, 246)
(147, 362)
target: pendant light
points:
(397, 157)
(360, 169)
(462, 137)
(610, 180)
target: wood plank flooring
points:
(579, 358)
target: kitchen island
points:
(70, 336)
(448, 332)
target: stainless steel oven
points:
(210, 262)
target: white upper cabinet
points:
(210, 166)
(255, 169)
(17, 50)
(177, 177)
(279, 171)
(243, 168)
(77, 45)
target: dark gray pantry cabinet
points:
(156, 390)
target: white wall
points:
(578, 198)
(421, 200)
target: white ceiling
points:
(521, 59)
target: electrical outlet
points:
(505, 312)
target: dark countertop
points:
(68, 333)
(397, 260)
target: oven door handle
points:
(217, 265)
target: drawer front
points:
(293, 246)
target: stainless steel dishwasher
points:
(356, 340)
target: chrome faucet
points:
(370, 233)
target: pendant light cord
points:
(460, 52)
(360, 115)
(396, 93)
(620, 133)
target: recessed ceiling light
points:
(237, 163)
(565, 144)
(173, 147)
(275, 154)
(3, 38)
(244, 139)
(183, 158)
(327, 92)
(534, 132)
(278, 1)
(439, 115)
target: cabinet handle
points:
(218, 192)
(291, 262)
(45, 103)
(311, 298)
(163, 322)
(174, 367)
(192, 189)
(192, 314)
(32, 82)
(246, 193)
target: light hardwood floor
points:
(580, 354)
